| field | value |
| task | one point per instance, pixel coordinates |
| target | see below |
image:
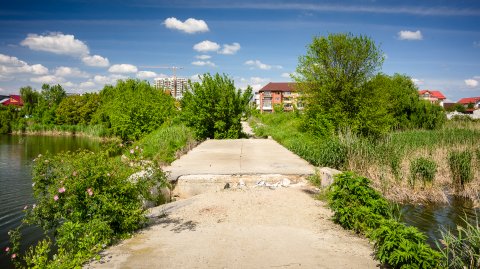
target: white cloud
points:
(57, 43)
(410, 35)
(203, 57)
(203, 63)
(255, 82)
(112, 79)
(2, 90)
(206, 46)
(12, 65)
(195, 77)
(471, 83)
(87, 84)
(230, 49)
(285, 75)
(146, 74)
(189, 26)
(260, 65)
(69, 84)
(123, 68)
(48, 79)
(64, 71)
(96, 60)
(418, 82)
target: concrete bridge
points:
(247, 205)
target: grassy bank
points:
(167, 143)
(390, 162)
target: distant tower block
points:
(175, 86)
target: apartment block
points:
(175, 86)
(281, 94)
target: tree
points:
(30, 99)
(214, 107)
(332, 76)
(133, 108)
(77, 109)
(49, 98)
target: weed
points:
(461, 167)
(424, 169)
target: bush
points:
(403, 247)
(461, 167)
(357, 206)
(424, 169)
(85, 200)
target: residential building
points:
(283, 94)
(14, 100)
(474, 102)
(435, 97)
(174, 85)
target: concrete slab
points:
(239, 157)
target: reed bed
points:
(387, 161)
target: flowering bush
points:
(84, 200)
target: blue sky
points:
(84, 44)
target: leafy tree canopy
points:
(214, 107)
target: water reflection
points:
(431, 219)
(16, 156)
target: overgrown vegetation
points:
(461, 248)
(213, 107)
(423, 169)
(84, 202)
(461, 167)
(344, 91)
(358, 207)
(388, 160)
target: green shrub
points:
(424, 169)
(403, 247)
(85, 200)
(461, 167)
(357, 206)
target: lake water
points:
(16, 156)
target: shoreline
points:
(63, 133)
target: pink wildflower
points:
(74, 173)
(108, 174)
(90, 191)
(55, 197)
(61, 190)
(14, 255)
(136, 147)
(7, 249)
(132, 151)
(25, 207)
(34, 205)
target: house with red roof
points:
(14, 100)
(283, 94)
(474, 102)
(434, 96)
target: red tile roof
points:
(469, 100)
(435, 94)
(279, 87)
(15, 100)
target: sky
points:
(83, 45)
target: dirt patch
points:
(242, 228)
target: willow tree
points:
(333, 74)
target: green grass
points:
(87, 130)
(164, 144)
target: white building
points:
(175, 86)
